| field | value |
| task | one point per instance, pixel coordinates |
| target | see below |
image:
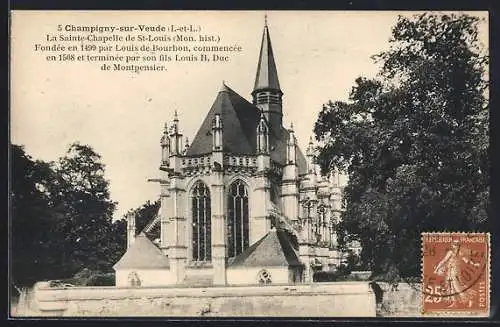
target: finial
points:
(175, 115)
(291, 126)
(310, 140)
(265, 19)
(223, 87)
(165, 127)
(187, 143)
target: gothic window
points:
(237, 219)
(133, 279)
(201, 233)
(322, 221)
(264, 277)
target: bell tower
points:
(266, 93)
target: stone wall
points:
(351, 299)
(400, 301)
(249, 275)
(148, 277)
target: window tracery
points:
(237, 219)
(201, 223)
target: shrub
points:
(328, 276)
(100, 279)
(87, 277)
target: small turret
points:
(165, 147)
(290, 180)
(175, 137)
(311, 168)
(263, 158)
(262, 135)
(291, 153)
(217, 128)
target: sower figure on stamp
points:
(451, 266)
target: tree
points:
(413, 141)
(32, 219)
(81, 195)
(117, 241)
(62, 216)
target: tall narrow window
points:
(201, 236)
(237, 222)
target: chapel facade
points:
(241, 204)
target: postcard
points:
(249, 164)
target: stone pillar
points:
(175, 146)
(260, 223)
(218, 207)
(165, 211)
(130, 229)
(175, 207)
(310, 187)
(305, 255)
(218, 228)
(289, 183)
(177, 240)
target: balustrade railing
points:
(240, 161)
(196, 162)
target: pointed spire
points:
(311, 168)
(175, 137)
(174, 129)
(165, 146)
(267, 75)
(291, 147)
(310, 147)
(291, 137)
(164, 139)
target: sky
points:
(121, 114)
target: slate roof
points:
(142, 254)
(275, 249)
(240, 119)
(267, 74)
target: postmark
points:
(456, 274)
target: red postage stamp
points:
(456, 274)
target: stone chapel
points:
(241, 204)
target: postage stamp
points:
(456, 274)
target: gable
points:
(142, 254)
(275, 249)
